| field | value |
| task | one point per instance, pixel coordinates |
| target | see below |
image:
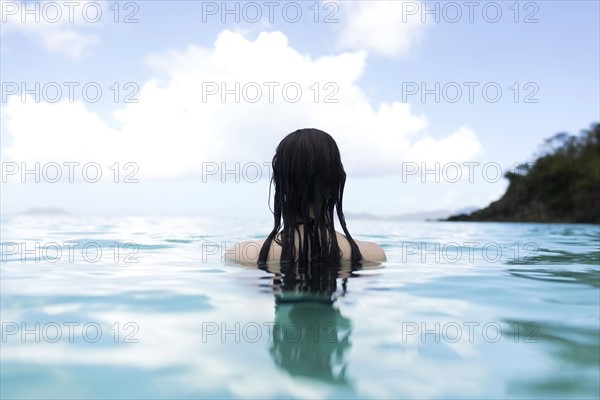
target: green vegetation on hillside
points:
(562, 185)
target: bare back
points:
(247, 252)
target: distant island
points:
(562, 185)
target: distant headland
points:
(562, 185)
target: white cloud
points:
(389, 28)
(60, 27)
(463, 141)
(171, 131)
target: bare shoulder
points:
(247, 252)
(371, 251)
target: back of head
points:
(309, 180)
(308, 173)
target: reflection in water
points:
(311, 337)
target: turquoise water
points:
(459, 310)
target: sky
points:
(176, 107)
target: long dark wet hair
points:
(308, 173)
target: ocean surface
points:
(147, 308)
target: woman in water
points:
(309, 181)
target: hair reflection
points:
(311, 337)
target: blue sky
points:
(374, 53)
